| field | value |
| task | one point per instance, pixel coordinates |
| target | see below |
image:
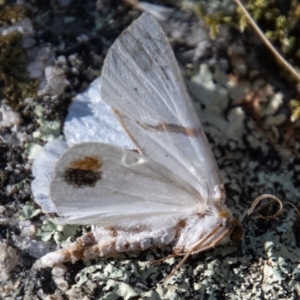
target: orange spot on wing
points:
(87, 163)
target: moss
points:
(295, 107)
(280, 24)
(14, 79)
(10, 15)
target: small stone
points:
(8, 260)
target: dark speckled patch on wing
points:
(83, 172)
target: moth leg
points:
(162, 259)
(179, 265)
(199, 248)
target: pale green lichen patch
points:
(29, 211)
(33, 149)
(48, 130)
(116, 289)
(62, 234)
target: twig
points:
(267, 42)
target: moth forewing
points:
(143, 84)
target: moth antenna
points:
(295, 208)
(257, 201)
(178, 266)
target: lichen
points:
(48, 130)
(62, 234)
(29, 211)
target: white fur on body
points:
(102, 241)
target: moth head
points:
(225, 215)
(232, 227)
(237, 232)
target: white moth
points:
(169, 192)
